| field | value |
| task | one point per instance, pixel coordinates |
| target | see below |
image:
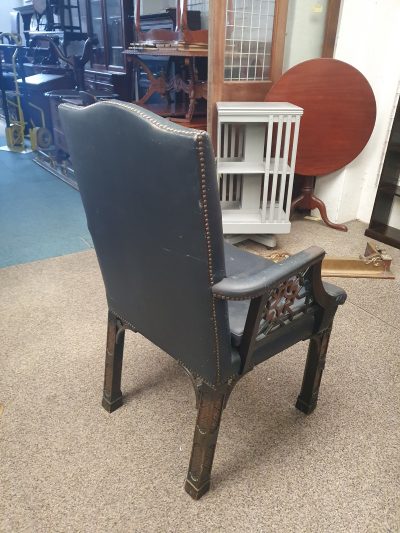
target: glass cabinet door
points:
(114, 32)
(248, 39)
(95, 14)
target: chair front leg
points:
(211, 404)
(112, 395)
(308, 397)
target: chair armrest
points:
(298, 272)
(246, 287)
(335, 292)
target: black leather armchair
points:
(149, 190)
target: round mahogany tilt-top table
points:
(338, 120)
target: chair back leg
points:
(308, 397)
(112, 395)
(210, 406)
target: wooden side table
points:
(339, 116)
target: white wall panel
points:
(368, 35)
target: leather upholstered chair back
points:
(149, 190)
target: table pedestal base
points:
(307, 200)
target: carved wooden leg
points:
(307, 200)
(308, 397)
(316, 203)
(112, 395)
(209, 413)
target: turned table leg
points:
(307, 200)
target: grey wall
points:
(155, 6)
(304, 31)
(5, 8)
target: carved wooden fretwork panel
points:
(287, 301)
(281, 300)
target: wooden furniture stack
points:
(180, 91)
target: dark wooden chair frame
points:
(211, 400)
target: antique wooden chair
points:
(149, 190)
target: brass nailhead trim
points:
(192, 372)
(195, 134)
(240, 298)
(122, 319)
(203, 187)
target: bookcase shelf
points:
(256, 155)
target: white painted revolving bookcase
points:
(256, 156)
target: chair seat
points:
(238, 261)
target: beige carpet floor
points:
(68, 466)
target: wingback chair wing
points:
(149, 190)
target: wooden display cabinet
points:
(110, 21)
(245, 52)
(388, 191)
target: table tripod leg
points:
(297, 202)
(319, 204)
(307, 200)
